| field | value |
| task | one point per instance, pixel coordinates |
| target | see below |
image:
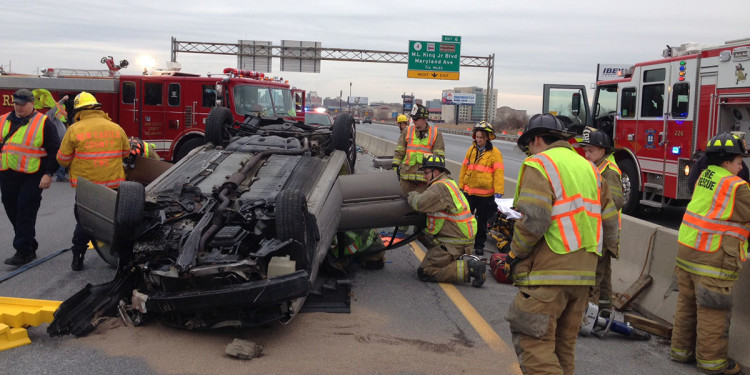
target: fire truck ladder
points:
(330, 54)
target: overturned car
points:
(235, 234)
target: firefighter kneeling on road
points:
(712, 243)
(598, 150)
(555, 247)
(451, 224)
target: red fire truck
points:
(167, 108)
(661, 114)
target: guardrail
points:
(645, 249)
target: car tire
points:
(186, 147)
(131, 197)
(106, 252)
(344, 138)
(218, 121)
(630, 186)
(294, 222)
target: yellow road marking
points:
(470, 313)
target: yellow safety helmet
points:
(484, 126)
(402, 118)
(84, 100)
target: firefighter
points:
(555, 246)
(415, 143)
(140, 148)
(363, 244)
(451, 224)
(712, 244)
(482, 179)
(29, 140)
(93, 148)
(402, 122)
(598, 150)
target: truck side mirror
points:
(575, 105)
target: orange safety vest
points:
(23, 151)
(707, 215)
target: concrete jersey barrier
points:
(645, 249)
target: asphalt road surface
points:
(397, 325)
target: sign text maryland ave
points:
(434, 60)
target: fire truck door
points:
(129, 117)
(154, 107)
(569, 103)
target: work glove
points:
(498, 196)
(510, 261)
(398, 172)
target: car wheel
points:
(131, 197)
(630, 184)
(186, 147)
(218, 121)
(294, 222)
(106, 252)
(345, 138)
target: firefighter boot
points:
(732, 368)
(477, 271)
(77, 264)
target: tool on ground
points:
(596, 324)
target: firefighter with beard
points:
(568, 218)
(416, 142)
(451, 226)
(713, 242)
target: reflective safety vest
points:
(23, 151)
(707, 215)
(418, 148)
(358, 243)
(610, 163)
(461, 215)
(577, 212)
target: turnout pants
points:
(80, 238)
(544, 324)
(701, 321)
(601, 292)
(483, 208)
(441, 264)
(21, 198)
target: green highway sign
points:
(434, 60)
(451, 39)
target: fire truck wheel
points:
(186, 147)
(128, 215)
(290, 224)
(218, 120)
(344, 138)
(630, 184)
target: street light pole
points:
(349, 100)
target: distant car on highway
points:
(367, 119)
(318, 118)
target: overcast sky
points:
(534, 41)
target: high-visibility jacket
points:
(23, 151)
(412, 150)
(482, 174)
(706, 222)
(576, 212)
(463, 225)
(612, 175)
(563, 202)
(93, 148)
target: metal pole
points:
(349, 99)
(490, 84)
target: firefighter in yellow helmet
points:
(482, 179)
(93, 148)
(29, 141)
(713, 242)
(402, 122)
(415, 143)
(552, 262)
(598, 150)
(451, 225)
